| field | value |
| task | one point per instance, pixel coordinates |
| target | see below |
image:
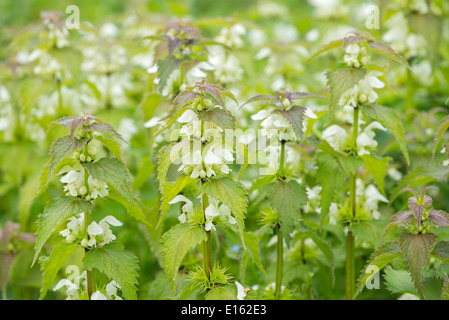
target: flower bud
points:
(207, 103)
(88, 159)
(285, 102)
(84, 243)
(92, 151)
(363, 98)
(82, 191)
(82, 157)
(202, 174)
(365, 60)
(188, 170)
(76, 155)
(199, 107)
(70, 238)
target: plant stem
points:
(282, 160)
(90, 274)
(87, 220)
(350, 263)
(60, 106)
(279, 263)
(207, 245)
(280, 237)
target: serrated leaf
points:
(55, 261)
(445, 291)
(232, 194)
(252, 244)
(420, 176)
(378, 168)
(444, 124)
(115, 173)
(60, 149)
(111, 145)
(287, 198)
(386, 50)
(106, 128)
(222, 118)
(117, 264)
(227, 292)
(56, 212)
(295, 116)
(260, 97)
(416, 249)
(175, 244)
(383, 255)
(327, 47)
(163, 163)
(399, 281)
(331, 177)
(171, 190)
(441, 250)
(340, 81)
(399, 218)
(166, 67)
(439, 217)
(390, 119)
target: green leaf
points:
(117, 264)
(166, 67)
(441, 250)
(416, 249)
(60, 149)
(383, 255)
(114, 172)
(232, 194)
(386, 50)
(163, 163)
(252, 244)
(111, 145)
(399, 281)
(420, 176)
(171, 190)
(399, 218)
(445, 291)
(340, 81)
(378, 168)
(368, 231)
(175, 244)
(327, 47)
(55, 261)
(56, 212)
(221, 117)
(390, 119)
(439, 134)
(331, 177)
(295, 116)
(104, 127)
(287, 198)
(323, 246)
(227, 292)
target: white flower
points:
(336, 136)
(186, 209)
(232, 36)
(72, 289)
(365, 139)
(363, 92)
(97, 295)
(97, 188)
(241, 291)
(111, 290)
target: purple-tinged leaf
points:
(439, 217)
(260, 97)
(295, 116)
(400, 218)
